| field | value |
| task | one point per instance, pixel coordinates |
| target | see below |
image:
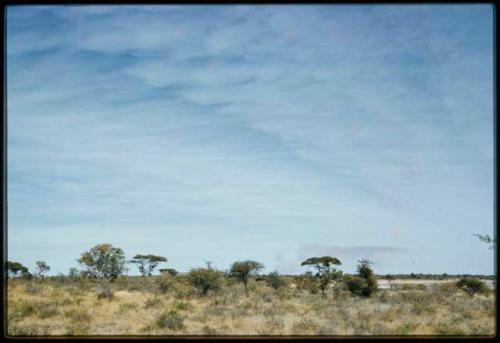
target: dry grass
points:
(142, 307)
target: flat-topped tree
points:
(325, 270)
(168, 271)
(243, 270)
(16, 269)
(147, 263)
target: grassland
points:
(170, 306)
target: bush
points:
(275, 281)
(472, 285)
(205, 279)
(365, 283)
(171, 320)
(307, 283)
(165, 283)
(356, 285)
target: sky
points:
(232, 132)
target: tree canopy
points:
(243, 270)
(147, 263)
(104, 262)
(16, 269)
(325, 270)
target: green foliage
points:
(205, 279)
(147, 263)
(472, 285)
(104, 262)
(364, 284)
(355, 284)
(243, 270)
(325, 270)
(41, 268)
(169, 271)
(16, 269)
(171, 320)
(275, 281)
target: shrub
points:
(165, 283)
(205, 279)
(275, 281)
(307, 283)
(472, 285)
(363, 284)
(104, 292)
(171, 320)
(355, 284)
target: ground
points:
(155, 306)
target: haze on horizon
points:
(272, 133)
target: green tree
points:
(325, 270)
(103, 262)
(363, 284)
(472, 285)
(243, 270)
(366, 272)
(16, 269)
(205, 279)
(147, 263)
(41, 268)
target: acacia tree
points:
(325, 270)
(243, 270)
(16, 269)
(104, 262)
(486, 239)
(41, 268)
(168, 271)
(147, 263)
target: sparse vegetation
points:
(207, 301)
(72, 309)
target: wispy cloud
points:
(200, 130)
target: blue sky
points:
(274, 133)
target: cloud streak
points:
(264, 127)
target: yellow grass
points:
(139, 307)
